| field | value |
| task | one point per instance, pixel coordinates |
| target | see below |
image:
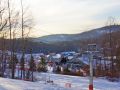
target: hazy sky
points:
(71, 16)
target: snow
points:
(57, 56)
(59, 83)
(81, 83)
(9, 84)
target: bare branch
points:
(2, 27)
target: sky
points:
(70, 16)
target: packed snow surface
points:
(60, 82)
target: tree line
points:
(14, 23)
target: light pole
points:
(91, 49)
(91, 71)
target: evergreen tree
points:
(63, 60)
(10, 64)
(32, 64)
(32, 67)
(42, 64)
(58, 69)
(16, 59)
(14, 62)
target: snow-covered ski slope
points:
(60, 82)
(9, 84)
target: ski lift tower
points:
(91, 49)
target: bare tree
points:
(11, 24)
(26, 23)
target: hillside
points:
(59, 83)
(73, 42)
(95, 33)
(63, 42)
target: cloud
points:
(71, 16)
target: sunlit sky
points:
(70, 16)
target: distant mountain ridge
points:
(95, 33)
(64, 42)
